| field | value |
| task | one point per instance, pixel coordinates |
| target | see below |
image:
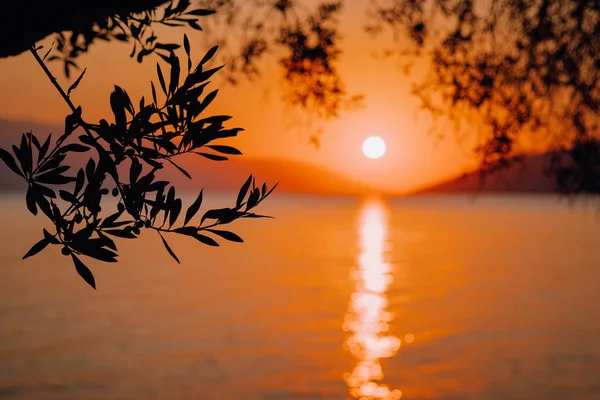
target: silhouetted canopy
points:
(25, 22)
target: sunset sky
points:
(414, 158)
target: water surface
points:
(334, 299)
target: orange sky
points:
(413, 159)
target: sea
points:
(441, 298)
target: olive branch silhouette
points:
(141, 140)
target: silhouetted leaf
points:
(39, 246)
(118, 105)
(143, 53)
(165, 58)
(46, 191)
(50, 238)
(209, 54)
(10, 161)
(157, 185)
(171, 24)
(133, 50)
(106, 162)
(170, 197)
(52, 163)
(225, 133)
(186, 230)
(30, 200)
(224, 149)
(79, 181)
(186, 46)
(175, 71)
(25, 154)
(243, 191)
(90, 169)
(83, 236)
(91, 249)
(117, 224)
(171, 252)
(48, 52)
(194, 25)
(253, 199)
(201, 12)
(271, 190)
(227, 235)
(205, 75)
(183, 171)
(87, 140)
(84, 271)
(109, 221)
(161, 78)
(175, 211)
(193, 209)
(44, 148)
(122, 37)
(134, 170)
(42, 203)
(107, 242)
(153, 164)
(213, 157)
(76, 83)
(120, 233)
(208, 99)
(56, 214)
(153, 93)
(167, 46)
(215, 119)
(68, 197)
(205, 239)
(71, 122)
(74, 147)
(251, 215)
(54, 178)
(220, 214)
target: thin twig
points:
(60, 89)
(67, 100)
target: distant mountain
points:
(520, 177)
(293, 176)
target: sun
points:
(374, 147)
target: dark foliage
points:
(136, 28)
(303, 39)
(512, 68)
(29, 21)
(78, 26)
(143, 139)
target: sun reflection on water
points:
(368, 320)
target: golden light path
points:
(368, 320)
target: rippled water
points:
(335, 299)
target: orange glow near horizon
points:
(413, 158)
(368, 319)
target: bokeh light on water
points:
(368, 320)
